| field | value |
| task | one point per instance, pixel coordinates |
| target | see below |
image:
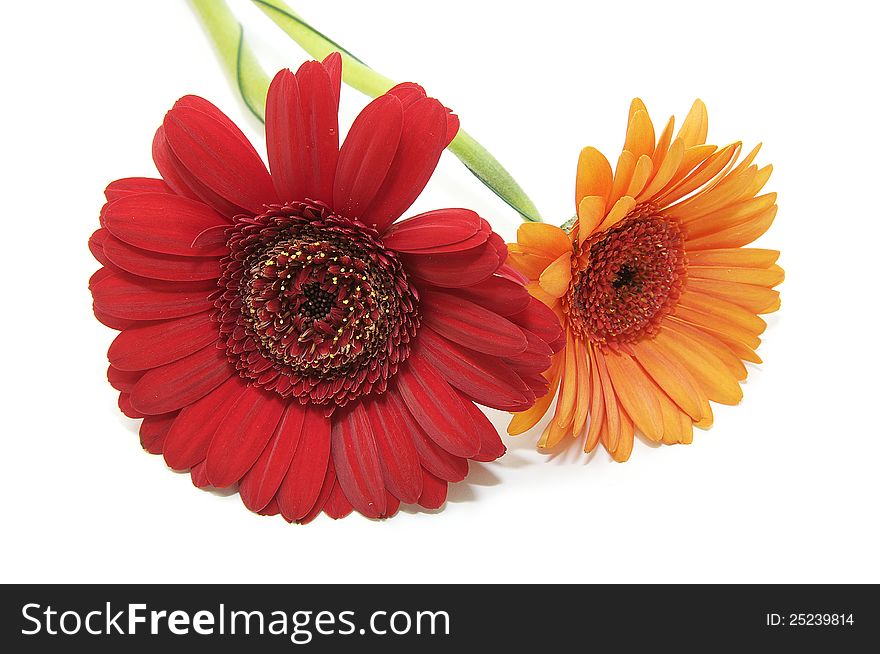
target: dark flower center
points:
(627, 278)
(314, 306)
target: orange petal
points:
(597, 405)
(626, 164)
(695, 127)
(640, 135)
(745, 257)
(635, 105)
(717, 347)
(754, 298)
(582, 359)
(557, 276)
(676, 423)
(618, 212)
(728, 216)
(737, 235)
(549, 240)
(715, 325)
(741, 350)
(759, 276)
(535, 290)
(568, 388)
(612, 411)
(594, 176)
(623, 449)
(641, 175)
(671, 376)
(712, 375)
(702, 174)
(591, 212)
(525, 420)
(663, 143)
(666, 171)
(726, 311)
(530, 265)
(635, 393)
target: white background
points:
(783, 487)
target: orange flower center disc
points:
(627, 278)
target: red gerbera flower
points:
(281, 332)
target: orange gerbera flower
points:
(658, 297)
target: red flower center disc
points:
(313, 305)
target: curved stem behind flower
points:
(252, 82)
(238, 59)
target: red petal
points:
(271, 508)
(500, 247)
(333, 64)
(187, 442)
(471, 325)
(392, 504)
(535, 358)
(213, 238)
(152, 345)
(491, 446)
(111, 321)
(199, 476)
(168, 267)
(483, 378)
(218, 159)
(284, 136)
(497, 294)
(100, 275)
(126, 407)
(163, 223)
(318, 105)
(206, 107)
(153, 431)
(96, 247)
(327, 485)
(410, 92)
(134, 185)
(242, 435)
(434, 229)
(260, 484)
(356, 460)
(512, 274)
(299, 491)
(123, 380)
(398, 457)
(136, 298)
(437, 408)
(422, 139)
(433, 457)
(337, 505)
(179, 384)
(170, 168)
(539, 319)
(366, 155)
(454, 269)
(433, 492)
(182, 182)
(538, 383)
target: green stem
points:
(252, 82)
(238, 59)
(358, 75)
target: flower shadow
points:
(479, 474)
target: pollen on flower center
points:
(627, 278)
(314, 306)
